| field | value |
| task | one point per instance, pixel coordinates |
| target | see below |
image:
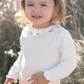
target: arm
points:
(15, 69)
(68, 59)
(64, 68)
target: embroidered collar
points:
(36, 32)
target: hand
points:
(38, 79)
(9, 81)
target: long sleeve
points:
(15, 69)
(68, 59)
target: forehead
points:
(40, 1)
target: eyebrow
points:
(41, 2)
(44, 2)
(29, 2)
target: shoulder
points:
(24, 33)
(60, 31)
(63, 37)
(25, 30)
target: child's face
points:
(39, 12)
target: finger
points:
(35, 82)
(32, 78)
(7, 82)
(34, 74)
(10, 82)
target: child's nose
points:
(36, 10)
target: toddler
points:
(47, 49)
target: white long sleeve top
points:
(50, 50)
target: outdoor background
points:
(10, 33)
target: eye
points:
(30, 5)
(43, 5)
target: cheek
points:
(48, 14)
(28, 11)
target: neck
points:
(41, 26)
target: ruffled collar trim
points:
(37, 32)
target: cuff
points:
(15, 77)
(48, 76)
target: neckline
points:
(38, 32)
(41, 28)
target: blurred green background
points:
(10, 33)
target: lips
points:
(36, 16)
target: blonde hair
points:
(57, 18)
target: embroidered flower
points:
(38, 33)
(31, 33)
(51, 30)
(57, 26)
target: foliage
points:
(9, 36)
(75, 21)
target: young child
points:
(47, 49)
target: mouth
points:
(37, 16)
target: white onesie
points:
(50, 50)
